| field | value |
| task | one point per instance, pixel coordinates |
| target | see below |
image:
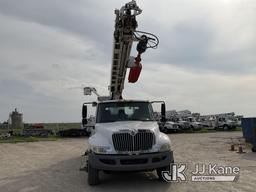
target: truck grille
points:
(133, 141)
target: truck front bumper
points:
(141, 162)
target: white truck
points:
(126, 136)
(171, 126)
(225, 123)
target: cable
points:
(153, 40)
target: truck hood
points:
(104, 131)
(126, 125)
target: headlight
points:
(100, 149)
(165, 147)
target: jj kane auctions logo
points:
(201, 173)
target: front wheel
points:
(165, 130)
(93, 175)
(159, 172)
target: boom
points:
(124, 35)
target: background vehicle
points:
(225, 124)
(194, 125)
(183, 125)
(170, 126)
(36, 129)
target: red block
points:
(134, 73)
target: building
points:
(16, 119)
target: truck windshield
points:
(124, 111)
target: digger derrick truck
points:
(126, 137)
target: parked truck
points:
(126, 136)
(223, 121)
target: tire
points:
(165, 130)
(254, 149)
(225, 127)
(93, 176)
(159, 172)
(181, 129)
(107, 172)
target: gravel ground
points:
(54, 166)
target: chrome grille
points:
(133, 141)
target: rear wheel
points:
(159, 172)
(254, 149)
(93, 175)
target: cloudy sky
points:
(205, 61)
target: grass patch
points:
(56, 127)
(19, 139)
(203, 130)
(238, 129)
(248, 145)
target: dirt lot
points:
(54, 166)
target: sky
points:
(205, 61)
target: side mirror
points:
(94, 104)
(84, 111)
(163, 110)
(84, 114)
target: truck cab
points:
(126, 138)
